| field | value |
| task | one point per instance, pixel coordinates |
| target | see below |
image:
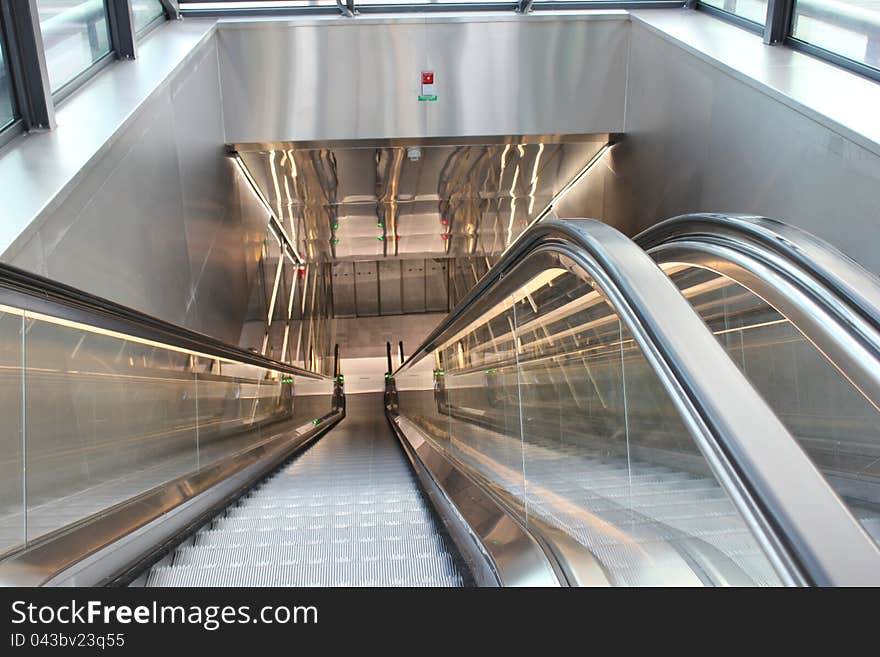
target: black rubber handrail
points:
(30, 292)
(849, 282)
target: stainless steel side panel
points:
(699, 139)
(497, 548)
(160, 221)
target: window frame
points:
(34, 101)
(778, 29)
(14, 127)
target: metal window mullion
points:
(172, 9)
(778, 23)
(27, 61)
(121, 21)
(346, 8)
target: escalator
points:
(589, 420)
(346, 512)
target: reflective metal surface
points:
(377, 209)
(415, 199)
(732, 429)
(498, 549)
(332, 79)
(765, 131)
(140, 207)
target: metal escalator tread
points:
(346, 512)
(653, 503)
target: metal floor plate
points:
(346, 512)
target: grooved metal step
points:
(347, 512)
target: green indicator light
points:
(387, 376)
(379, 225)
(316, 421)
(381, 239)
(341, 378)
(335, 226)
(336, 240)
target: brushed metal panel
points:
(391, 287)
(45, 168)
(365, 337)
(343, 290)
(366, 280)
(218, 287)
(436, 286)
(159, 222)
(355, 81)
(129, 241)
(162, 221)
(413, 286)
(733, 148)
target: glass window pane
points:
(145, 12)
(753, 10)
(7, 103)
(75, 36)
(847, 27)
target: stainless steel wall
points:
(365, 337)
(161, 223)
(699, 139)
(494, 75)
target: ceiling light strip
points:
(273, 220)
(561, 194)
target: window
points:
(145, 12)
(850, 28)
(751, 10)
(75, 36)
(7, 101)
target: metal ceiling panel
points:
(372, 200)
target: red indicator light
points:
(444, 236)
(443, 222)
(427, 77)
